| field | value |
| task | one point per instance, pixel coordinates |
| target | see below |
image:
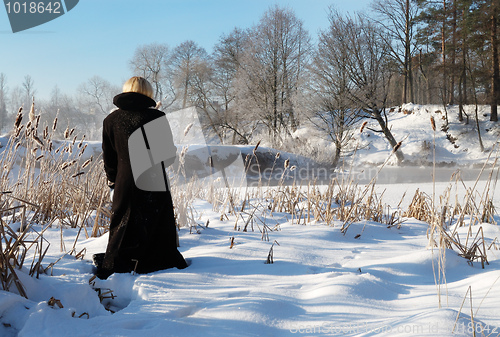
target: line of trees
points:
(268, 80)
(456, 54)
(85, 110)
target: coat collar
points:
(133, 101)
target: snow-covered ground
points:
(371, 281)
(458, 145)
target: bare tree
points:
(28, 87)
(398, 19)
(226, 64)
(273, 66)
(93, 103)
(3, 101)
(68, 114)
(185, 59)
(332, 112)
(152, 62)
(53, 106)
(353, 45)
(201, 93)
(97, 94)
(16, 99)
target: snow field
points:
(321, 283)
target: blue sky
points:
(98, 37)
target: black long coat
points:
(142, 235)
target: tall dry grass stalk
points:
(452, 212)
(47, 182)
(342, 200)
(447, 216)
(54, 175)
(18, 240)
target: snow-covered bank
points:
(458, 145)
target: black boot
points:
(98, 259)
(99, 271)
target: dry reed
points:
(43, 181)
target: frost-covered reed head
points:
(140, 85)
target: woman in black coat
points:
(142, 235)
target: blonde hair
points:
(140, 85)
